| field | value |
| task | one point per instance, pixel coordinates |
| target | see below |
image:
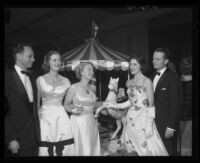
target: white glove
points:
(108, 104)
(149, 128)
(123, 105)
(151, 112)
(150, 117)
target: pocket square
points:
(163, 89)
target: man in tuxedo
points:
(168, 99)
(21, 119)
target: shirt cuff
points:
(170, 129)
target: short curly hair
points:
(45, 66)
(80, 68)
(186, 66)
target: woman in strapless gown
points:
(80, 101)
(55, 125)
(136, 124)
(140, 133)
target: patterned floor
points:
(111, 147)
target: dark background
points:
(126, 29)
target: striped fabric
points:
(93, 51)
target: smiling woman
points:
(81, 101)
(139, 133)
(54, 121)
(51, 60)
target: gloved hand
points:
(149, 128)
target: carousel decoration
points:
(102, 58)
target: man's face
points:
(159, 60)
(26, 58)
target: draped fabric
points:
(84, 127)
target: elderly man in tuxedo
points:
(21, 119)
(168, 99)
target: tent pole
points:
(100, 84)
(92, 28)
(128, 75)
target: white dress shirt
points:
(157, 77)
(155, 82)
(26, 81)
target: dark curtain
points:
(178, 38)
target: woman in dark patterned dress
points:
(185, 127)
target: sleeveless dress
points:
(133, 136)
(55, 125)
(84, 127)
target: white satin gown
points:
(55, 125)
(84, 127)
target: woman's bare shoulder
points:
(74, 86)
(147, 82)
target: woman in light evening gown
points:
(56, 132)
(81, 101)
(140, 133)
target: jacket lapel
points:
(32, 79)
(21, 89)
(152, 76)
(160, 81)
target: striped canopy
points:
(103, 58)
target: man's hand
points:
(14, 146)
(169, 133)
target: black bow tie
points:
(157, 73)
(28, 73)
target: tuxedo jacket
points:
(21, 119)
(168, 101)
